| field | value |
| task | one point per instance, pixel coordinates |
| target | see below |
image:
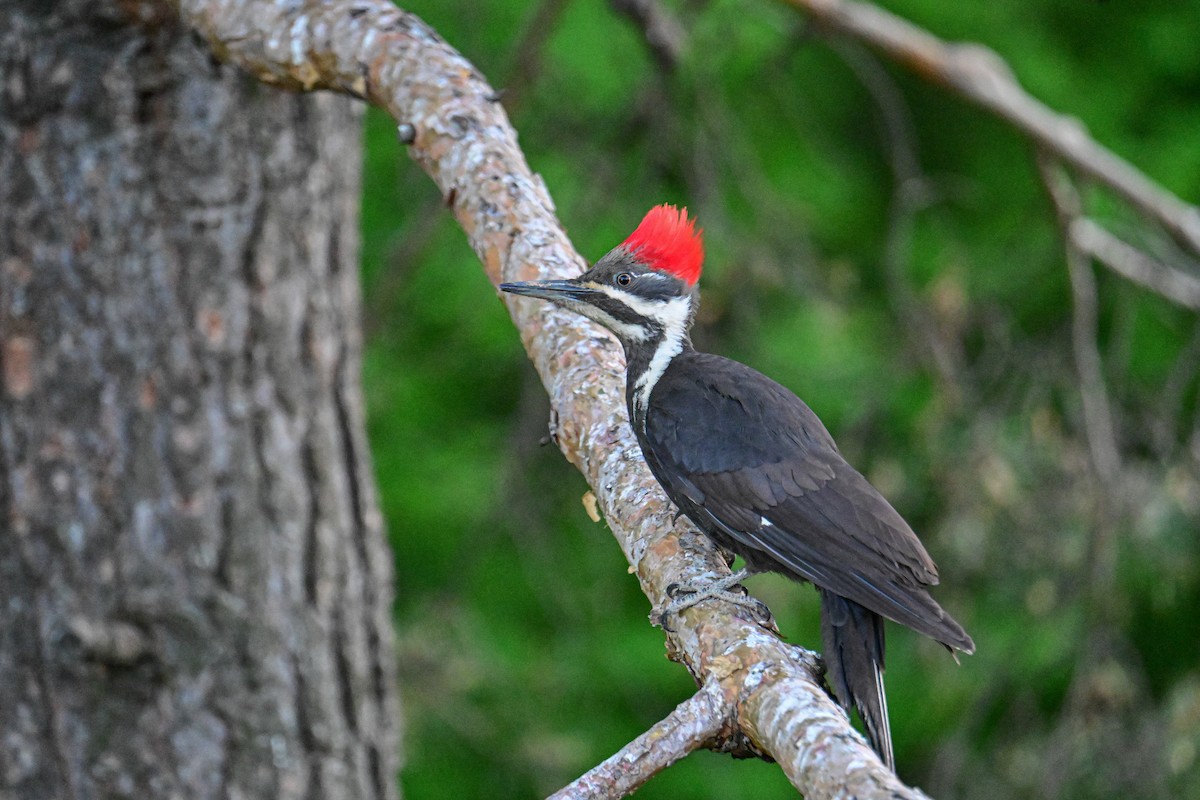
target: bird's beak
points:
(557, 291)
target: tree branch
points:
(1097, 411)
(978, 74)
(661, 30)
(1134, 264)
(695, 723)
(464, 141)
(527, 53)
(1099, 428)
(912, 192)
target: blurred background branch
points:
(662, 30)
(978, 74)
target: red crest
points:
(667, 241)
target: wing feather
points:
(771, 479)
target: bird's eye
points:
(624, 279)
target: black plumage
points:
(754, 468)
(774, 489)
(776, 463)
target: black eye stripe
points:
(623, 313)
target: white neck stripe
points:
(673, 315)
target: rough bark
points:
(194, 581)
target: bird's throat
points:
(649, 359)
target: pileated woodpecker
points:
(754, 468)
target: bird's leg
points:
(715, 588)
(685, 596)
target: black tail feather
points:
(853, 641)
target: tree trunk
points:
(194, 585)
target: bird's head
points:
(641, 290)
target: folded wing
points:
(773, 481)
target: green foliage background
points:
(934, 338)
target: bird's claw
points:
(659, 618)
(674, 590)
(684, 596)
(760, 610)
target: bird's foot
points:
(684, 596)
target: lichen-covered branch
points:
(978, 74)
(693, 724)
(465, 143)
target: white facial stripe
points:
(653, 309)
(624, 330)
(673, 316)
